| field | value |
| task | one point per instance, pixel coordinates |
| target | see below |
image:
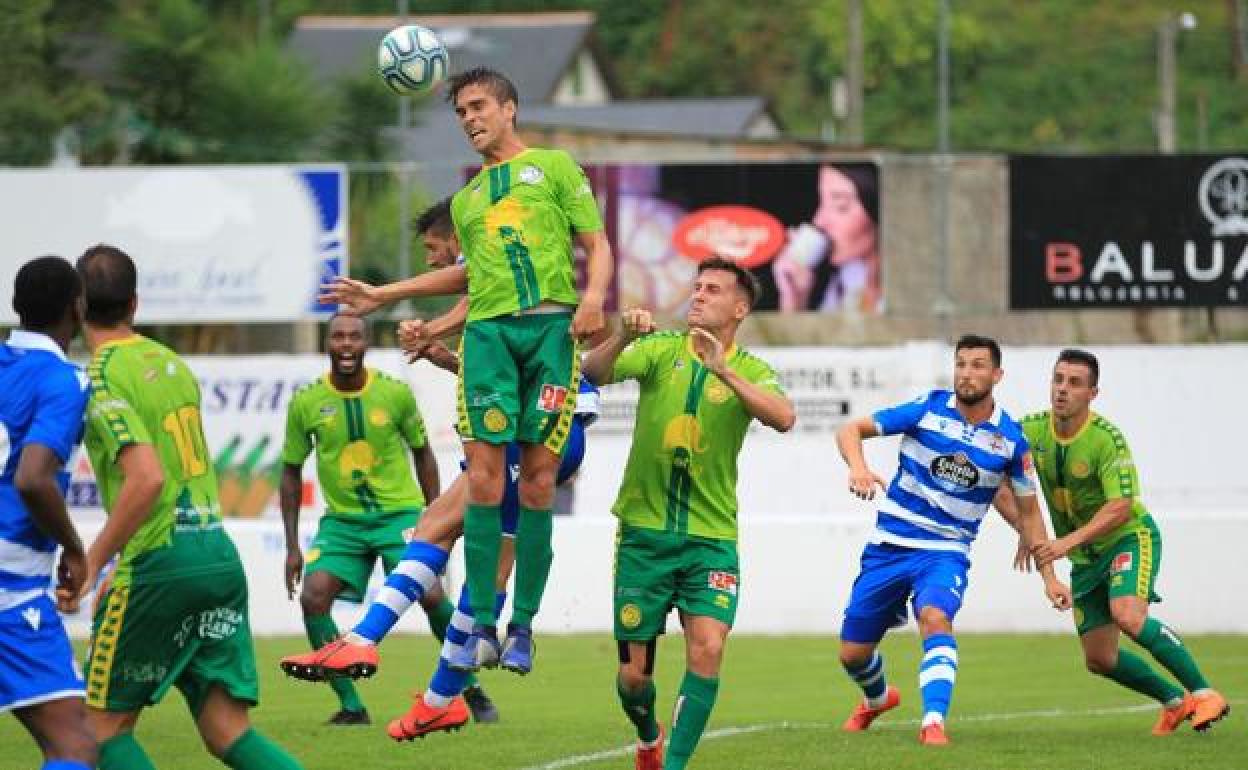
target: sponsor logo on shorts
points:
(717, 392)
(33, 617)
(409, 534)
(723, 601)
(630, 616)
(722, 581)
(1115, 581)
(378, 417)
(313, 555)
(1079, 469)
(143, 673)
(1122, 563)
(955, 469)
(216, 624)
(1078, 617)
(494, 419)
(551, 398)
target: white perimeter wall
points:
(1181, 408)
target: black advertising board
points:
(1128, 231)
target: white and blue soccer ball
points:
(412, 60)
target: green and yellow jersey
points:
(681, 474)
(362, 441)
(1079, 475)
(143, 393)
(514, 221)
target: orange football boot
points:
(864, 715)
(339, 658)
(1170, 718)
(1210, 707)
(422, 719)
(934, 735)
(650, 758)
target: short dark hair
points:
(368, 329)
(745, 279)
(44, 290)
(436, 219)
(499, 86)
(1077, 356)
(977, 341)
(110, 278)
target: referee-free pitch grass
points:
(1021, 702)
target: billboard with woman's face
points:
(808, 231)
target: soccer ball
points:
(412, 59)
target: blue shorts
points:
(890, 576)
(36, 661)
(573, 454)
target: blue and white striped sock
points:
(406, 584)
(937, 673)
(446, 683)
(870, 677)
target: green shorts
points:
(348, 546)
(657, 570)
(1126, 568)
(189, 631)
(518, 380)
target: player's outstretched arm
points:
(35, 481)
(1112, 515)
(360, 298)
(141, 483)
(862, 480)
(290, 496)
(1032, 521)
(599, 363)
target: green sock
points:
(693, 709)
(533, 558)
(321, 631)
(483, 535)
(252, 751)
(123, 752)
(1133, 672)
(1167, 649)
(439, 619)
(639, 708)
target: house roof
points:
(730, 117)
(534, 50)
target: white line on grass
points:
(727, 732)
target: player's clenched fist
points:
(414, 336)
(637, 322)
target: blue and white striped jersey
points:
(42, 399)
(948, 472)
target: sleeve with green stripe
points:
(411, 423)
(576, 197)
(298, 444)
(1116, 468)
(115, 421)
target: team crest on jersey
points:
(955, 470)
(630, 616)
(378, 417)
(1079, 469)
(722, 581)
(551, 398)
(531, 175)
(1122, 563)
(997, 443)
(494, 419)
(717, 392)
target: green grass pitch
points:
(1021, 702)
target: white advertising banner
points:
(221, 243)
